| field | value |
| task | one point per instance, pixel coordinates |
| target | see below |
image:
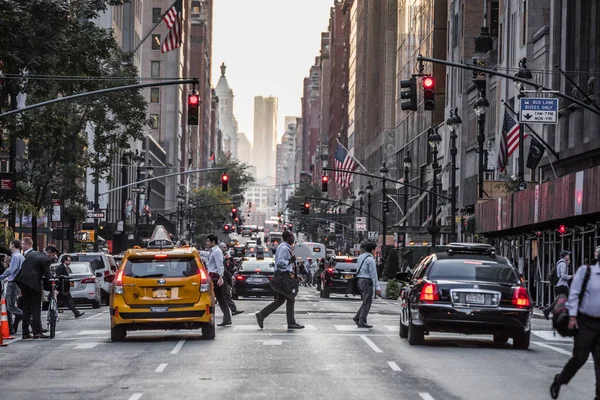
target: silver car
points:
(85, 284)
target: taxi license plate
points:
(72, 284)
(161, 293)
(348, 276)
(475, 298)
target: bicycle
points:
(52, 315)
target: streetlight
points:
(434, 141)
(523, 73)
(369, 190)
(384, 206)
(481, 106)
(407, 165)
(453, 123)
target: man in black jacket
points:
(35, 268)
(65, 297)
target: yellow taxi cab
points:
(161, 287)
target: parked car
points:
(466, 289)
(100, 262)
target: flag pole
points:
(357, 162)
(153, 28)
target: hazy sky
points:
(268, 47)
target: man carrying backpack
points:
(562, 278)
(584, 319)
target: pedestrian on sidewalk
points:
(284, 283)
(64, 295)
(12, 289)
(226, 288)
(584, 318)
(367, 281)
(562, 286)
(216, 270)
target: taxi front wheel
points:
(118, 334)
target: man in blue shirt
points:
(562, 286)
(12, 289)
(367, 280)
(283, 283)
(216, 270)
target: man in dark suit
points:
(64, 270)
(35, 268)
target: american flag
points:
(509, 140)
(173, 21)
(343, 161)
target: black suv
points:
(466, 289)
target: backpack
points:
(553, 275)
(560, 314)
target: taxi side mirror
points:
(109, 278)
(402, 276)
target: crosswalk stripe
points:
(394, 328)
(350, 328)
(551, 336)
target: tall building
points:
(286, 166)
(265, 135)
(311, 112)
(244, 153)
(321, 156)
(227, 121)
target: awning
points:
(412, 209)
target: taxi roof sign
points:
(160, 239)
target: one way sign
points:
(538, 111)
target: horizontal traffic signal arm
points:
(200, 207)
(344, 204)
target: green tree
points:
(54, 49)
(239, 174)
(295, 205)
(206, 211)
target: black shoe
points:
(365, 325)
(295, 326)
(546, 314)
(237, 312)
(41, 336)
(80, 314)
(259, 320)
(224, 323)
(28, 336)
(44, 330)
(555, 387)
(355, 320)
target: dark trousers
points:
(222, 293)
(12, 297)
(67, 300)
(365, 288)
(32, 310)
(587, 339)
(558, 291)
(278, 302)
(227, 295)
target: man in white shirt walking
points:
(367, 281)
(216, 270)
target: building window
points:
(155, 68)
(156, 14)
(154, 121)
(155, 42)
(154, 95)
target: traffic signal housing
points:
(306, 208)
(234, 213)
(562, 230)
(386, 205)
(224, 182)
(324, 182)
(193, 107)
(410, 94)
(429, 93)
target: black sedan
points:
(253, 278)
(467, 289)
(335, 278)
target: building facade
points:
(265, 135)
(227, 120)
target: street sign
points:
(120, 226)
(373, 235)
(96, 215)
(137, 190)
(539, 110)
(56, 217)
(360, 224)
(332, 227)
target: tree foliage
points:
(206, 211)
(295, 204)
(53, 49)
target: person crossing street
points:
(226, 288)
(216, 271)
(12, 289)
(63, 270)
(367, 281)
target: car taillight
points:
(240, 278)
(521, 297)
(429, 292)
(161, 255)
(88, 280)
(106, 272)
(204, 284)
(330, 270)
(118, 282)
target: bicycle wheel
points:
(52, 319)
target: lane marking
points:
(86, 345)
(549, 335)
(178, 346)
(559, 350)
(96, 315)
(394, 366)
(394, 328)
(306, 327)
(426, 396)
(103, 332)
(273, 342)
(161, 368)
(254, 327)
(136, 396)
(350, 328)
(372, 345)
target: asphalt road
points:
(330, 359)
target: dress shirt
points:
(13, 269)
(368, 269)
(282, 258)
(590, 304)
(215, 260)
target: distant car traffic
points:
(254, 279)
(335, 278)
(466, 289)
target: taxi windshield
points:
(161, 268)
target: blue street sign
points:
(538, 111)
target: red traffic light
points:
(325, 179)
(193, 99)
(306, 205)
(224, 178)
(428, 82)
(562, 229)
(234, 210)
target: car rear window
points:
(253, 266)
(472, 270)
(95, 261)
(79, 268)
(161, 268)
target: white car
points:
(85, 285)
(100, 262)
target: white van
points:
(306, 250)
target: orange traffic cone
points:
(4, 329)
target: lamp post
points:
(434, 141)
(384, 206)
(180, 206)
(361, 196)
(125, 162)
(481, 106)
(407, 165)
(523, 73)
(139, 158)
(453, 123)
(369, 190)
(150, 173)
